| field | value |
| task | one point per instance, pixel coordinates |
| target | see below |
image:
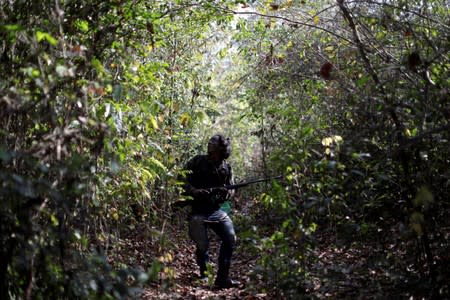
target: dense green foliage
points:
(352, 103)
(102, 102)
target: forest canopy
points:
(103, 102)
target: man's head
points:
(219, 147)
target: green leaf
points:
(11, 27)
(362, 81)
(155, 268)
(41, 36)
(157, 163)
(223, 52)
(54, 220)
(82, 25)
(185, 120)
(117, 92)
(423, 198)
(307, 131)
(97, 64)
(146, 174)
(329, 49)
(316, 20)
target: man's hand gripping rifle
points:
(213, 190)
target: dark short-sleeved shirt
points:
(204, 174)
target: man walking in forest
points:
(206, 172)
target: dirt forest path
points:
(186, 283)
(331, 278)
(334, 272)
(337, 267)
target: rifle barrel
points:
(245, 183)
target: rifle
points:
(183, 203)
(242, 184)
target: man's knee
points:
(229, 240)
(230, 235)
(197, 232)
(202, 246)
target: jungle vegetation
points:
(102, 103)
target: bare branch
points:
(369, 68)
(418, 138)
(293, 22)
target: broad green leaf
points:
(40, 36)
(117, 92)
(97, 64)
(146, 174)
(185, 120)
(157, 163)
(82, 25)
(153, 122)
(11, 27)
(54, 220)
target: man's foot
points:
(226, 284)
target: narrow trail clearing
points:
(361, 271)
(186, 284)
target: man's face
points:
(220, 149)
(215, 152)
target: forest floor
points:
(337, 270)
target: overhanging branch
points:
(290, 21)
